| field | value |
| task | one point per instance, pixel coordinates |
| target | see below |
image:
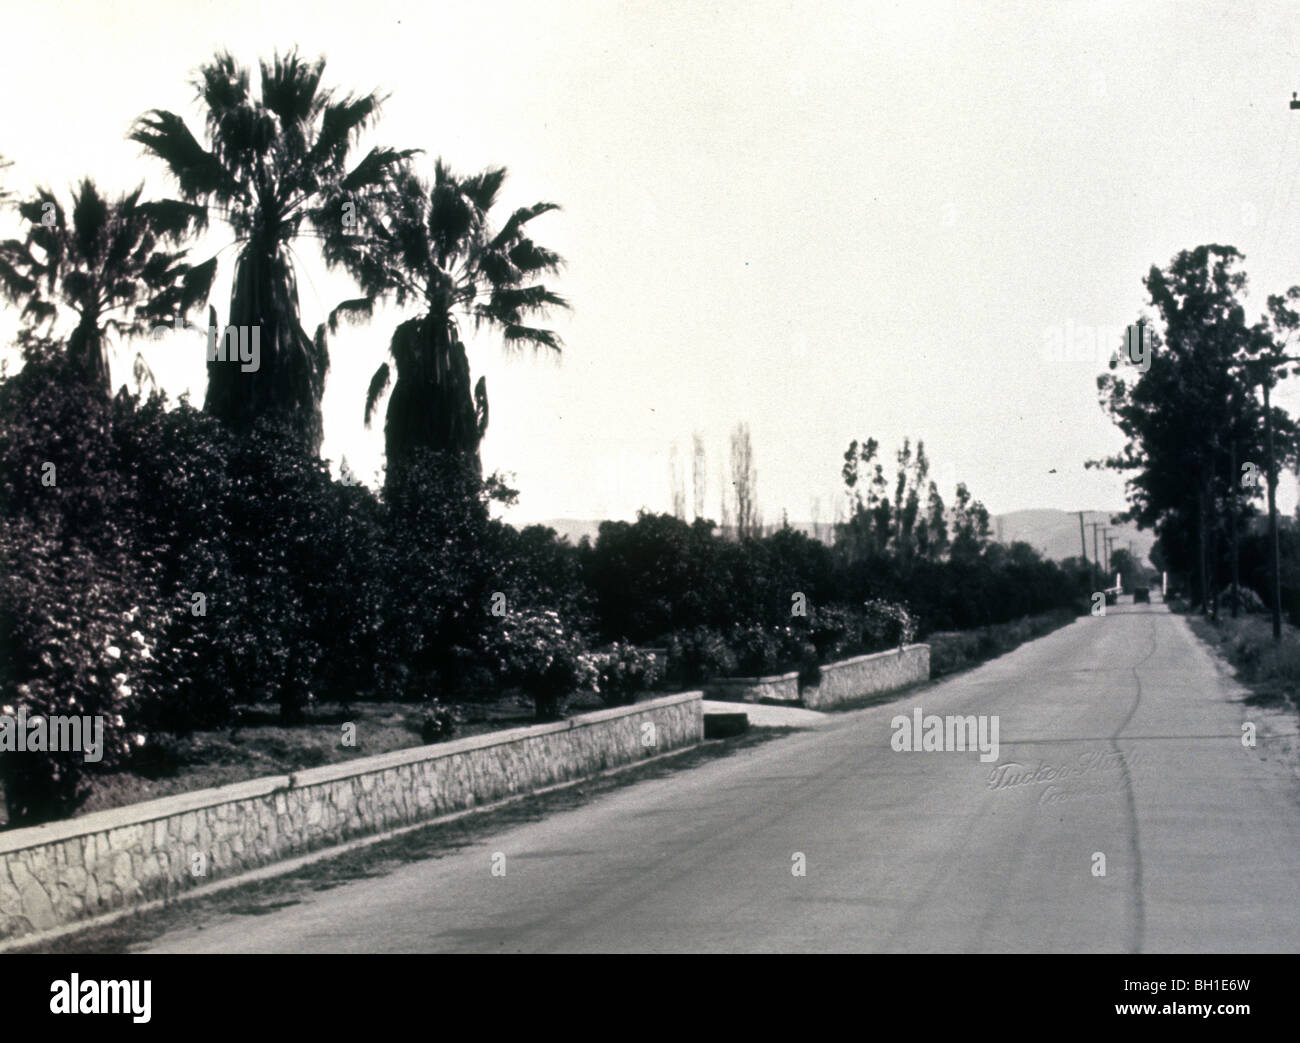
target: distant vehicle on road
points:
(1141, 594)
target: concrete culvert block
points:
(725, 725)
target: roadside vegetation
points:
(1270, 669)
(953, 652)
(201, 581)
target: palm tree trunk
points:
(88, 351)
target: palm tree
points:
(272, 157)
(431, 244)
(105, 261)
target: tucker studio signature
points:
(1095, 771)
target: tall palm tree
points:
(107, 262)
(273, 155)
(432, 245)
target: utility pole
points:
(1109, 540)
(1096, 558)
(1083, 540)
(1270, 363)
(1232, 501)
(1272, 517)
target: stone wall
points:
(80, 868)
(841, 682)
(851, 679)
(779, 687)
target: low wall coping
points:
(873, 655)
(179, 803)
(771, 679)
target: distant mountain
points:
(573, 528)
(576, 528)
(1054, 534)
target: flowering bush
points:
(757, 650)
(762, 651)
(835, 632)
(71, 648)
(439, 723)
(537, 652)
(622, 671)
(886, 625)
(698, 655)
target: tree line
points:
(1197, 432)
(162, 565)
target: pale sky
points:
(832, 221)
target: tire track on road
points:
(1130, 799)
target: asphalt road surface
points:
(1119, 737)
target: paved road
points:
(904, 851)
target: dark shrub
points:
(886, 625)
(623, 671)
(544, 657)
(438, 724)
(698, 655)
(757, 650)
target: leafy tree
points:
(274, 157)
(912, 474)
(79, 595)
(699, 476)
(442, 568)
(970, 524)
(867, 529)
(1131, 573)
(932, 530)
(108, 261)
(432, 245)
(1193, 410)
(744, 482)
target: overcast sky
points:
(832, 221)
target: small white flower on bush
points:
(540, 654)
(623, 670)
(888, 617)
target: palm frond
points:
(481, 405)
(354, 311)
(518, 336)
(510, 230)
(482, 189)
(340, 126)
(532, 259)
(174, 217)
(378, 385)
(509, 304)
(199, 172)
